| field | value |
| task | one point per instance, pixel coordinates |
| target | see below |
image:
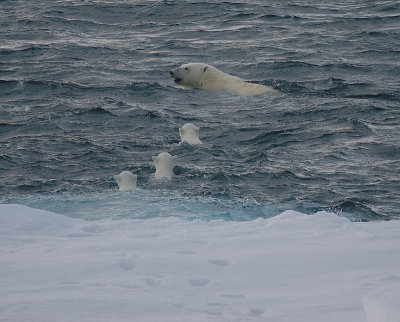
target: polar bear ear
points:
(205, 68)
(174, 158)
(180, 131)
(117, 178)
(197, 129)
(155, 160)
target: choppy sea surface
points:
(85, 93)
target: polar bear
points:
(204, 76)
(126, 180)
(190, 134)
(164, 163)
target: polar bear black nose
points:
(171, 72)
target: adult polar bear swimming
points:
(204, 76)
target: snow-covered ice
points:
(292, 267)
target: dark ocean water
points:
(85, 93)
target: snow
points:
(291, 267)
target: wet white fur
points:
(164, 163)
(126, 180)
(190, 134)
(204, 76)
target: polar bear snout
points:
(173, 72)
(176, 78)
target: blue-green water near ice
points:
(85, 93)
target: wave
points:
(356, 210)
(272, 136)
(335, 87)
(380, 96)
(279, 17)
(293, 64)
(17, 49)
(97, 110)
(144, 204)
(43, 87)
(141, 204)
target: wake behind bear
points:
(204, 76)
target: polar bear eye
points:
(186, 68)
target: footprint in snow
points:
(219, 262)
(256, 312)
(127, 264)
(199, 281)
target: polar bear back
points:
(214, 79)
(249, 89)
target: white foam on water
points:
(291, 267)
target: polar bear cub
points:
(190, 134)
(164, 163)
(204, 76)
(126, 180)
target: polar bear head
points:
(164, 163)
(192, 75)
(126, 180)
(189, 133)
